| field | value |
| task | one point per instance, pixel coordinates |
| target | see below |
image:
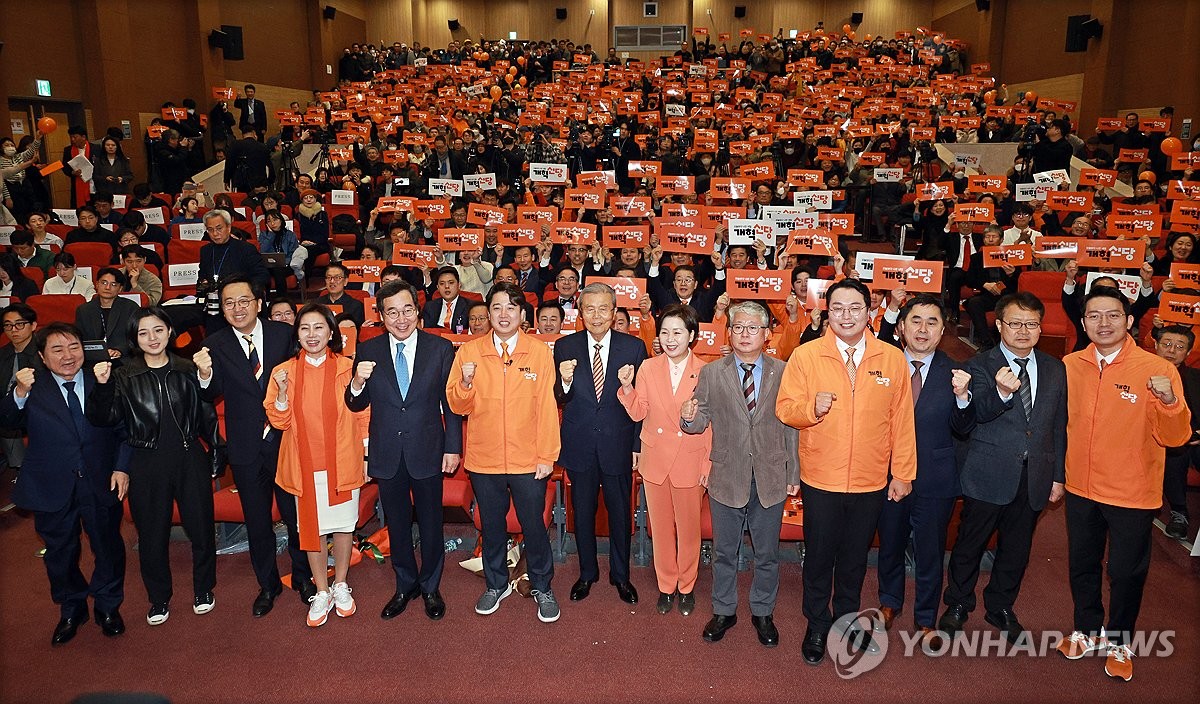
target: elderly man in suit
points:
(74, 475)
(415, 438)
(941, 405)
(755, 466)
(254, 113)
(598, 437)
(1014, 464)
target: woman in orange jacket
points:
(320, 453)
(674, 465)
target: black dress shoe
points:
(66, 628)
(581, 588)
(813, 647)
(265, 601)
(435, 606)
(1007, 622)
(768, 634)
(111, 623)
(664, 602)
(399, 603)
(953, 619)
(860, 640)
(715, 629)
(687, 604)
(306, 589)
(626, 592)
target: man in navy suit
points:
(598, 438)
(1015, 464)
(74, 474)
(236, 364)
(414, 439)
(451, 310)
(529, 276)
(942, 409)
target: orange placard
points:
(532, 213)
(1135, 226)
(431, 210)
(519, 234)
(821, 243)
(1132, 156)
(364, 270)
(585, 198)
(1070, 201)
(973, 212)
(1097, 178)
(631, 207)
(711, 338)
(797, 178)
(51, 167)
(730, 188)
(758, 284)
(618, 236)
(1127, 254)
(1179, 308)
(629, 291)
(480, 214)
(573, 233)
(418, 255)
(1057, 247)
(453, 239)
(916, 276)
(222, 93)
(645, 169)
(758, 172)
(396, 204)
(687, 240)
(1185, 275)
(814, 298)
(1013, 254)
(675, 185)
(1110, 124)
(934, 191)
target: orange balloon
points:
(522, 80)
(47, 125)
(512, 69)
(496, 92)
(508, 78)
(485, 56)
(989, 97)
(1169, 146)
(851, 35)
(937, 39)
(1030, 96)
(846, 29)
(1149, 175)
(521, 60)
(868, 38)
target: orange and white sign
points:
(758, 284)
(916, 276)
(1126, 254)
(629, 290)
(1012, 254)
(417, 255)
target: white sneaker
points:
(342, 599)
(320, 606)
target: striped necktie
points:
(252, 355)
(748, 386)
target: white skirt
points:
(341, 518)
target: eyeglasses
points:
(335, 277)
(18, 325)
(230, 304)
(1163, 344)
(852, 311)
(1018, 324)
(738, 329)
(405, 312)
(1112, 316)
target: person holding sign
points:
(1114, 481)
(674, 465)
(1174, 343)
(848, 394)
(989, 283)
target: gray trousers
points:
(728, 525)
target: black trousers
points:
(60, 529)
(1179, 461)
(529, 498)
(256, 488)
(585, 499)
(158, 480)
(978, 306)
(1127, 531)
(1013, 523)
(402, 497)
(838, 528)
(954, 280)
(925, 519)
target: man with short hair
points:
(226, 255)
(1126, 405)
(549, 318)
(133, 256)
(524, 264)
(1173, 343)
(254, 114)
(20, 323)
(335, 293)
(449, 310)
(477, 319)
(29, 254)
(755, 468)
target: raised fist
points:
(24, 378)
(824, 402)
(203, 361)
(688, 411)
(281, 380)
(566, 369)
(1007, 383)
(960, 381)
(103, 370)
(468, 373)
(625, 375)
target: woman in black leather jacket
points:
(156, 394)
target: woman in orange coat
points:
(674, 465)
(320, 453)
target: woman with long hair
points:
(112, 170)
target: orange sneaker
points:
(342, 600)
(319, 607)
(1119, 663)
(1079, 644)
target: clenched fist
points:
(688, 411)
(468, 374)
(824, 402)
(203, 361)
(960, 381)
(24, 378)
(566, 369)
(1160, 386)
(1007, 383)
(102, 371)
(625, 375)
(281, 380)
(362, 373)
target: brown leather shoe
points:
(889, 615)
(931, 640)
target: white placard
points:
(449, 187)
(817, 200)
(109, 226)
(6, 235)
(784, 224)
(341, 197)
(83, 166)
(676, 110)
(1127, 283)
(745, 232)
(183, 274)
(864, 263)
(1056, 177)
(5, 302)
(1032, 191)
(193, 231)
(135, 297)
(120, 200)
(888, 175)
(67, 216)
(421, 61)
(84, 272)
(548, 173)
(970, 161)
(479, 182)
(154, 216)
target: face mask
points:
(706, 161)
(780, 191)
(960, 174)
(10, 151)
(789, 150)
(1019, 168)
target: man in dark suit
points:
(755, 468)
(335, 294)
(1014, 464)
(942, 410)
(106, 317)
(20, 324)
(414, 439)
(958, 245)
(1173, 343)
(450, 310)
(598, 437)
(226, 255)
(989, 285)
(684, 290)
(74, 475)
(235, 364)
(79, 146)
(254, 114)
(443, 163)
(529, 276)
(247, 162)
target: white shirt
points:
(859, 349)
(1012, 234)
(78, 284)
(447, 310)
(511, 342)
(410, 356)
(963, 259)
(605, 347)
(257, 335)
(1105, 360)
(1031, 368)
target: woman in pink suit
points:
(674, 465)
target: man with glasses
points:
(1014, 465)
(755, 468)
(20, 322)
(414, 439)
(335, 294)
(848, 393)
(1126, 406)
(235, 364)
(226, 255)
(566, 288)
(1174, 344)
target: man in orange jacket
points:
(1125, 405)
(505, 382)
(850, 396)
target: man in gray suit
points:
(754, 468)
(1014, 465)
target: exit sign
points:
(43, 88)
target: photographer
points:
(247, 163)
(1052, 151)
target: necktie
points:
(401, 370)
(597, 371)
(74, 407)
(252, 355)
(916, 380)
(447, 315)
(524, 277)
(505, 359)
(966, 252)
(748, 385)
(850, 368)
(1103, 364)
(1024, 391)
